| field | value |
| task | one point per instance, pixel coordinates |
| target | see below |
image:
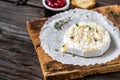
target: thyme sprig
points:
(58, 25)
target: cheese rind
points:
(86, 39)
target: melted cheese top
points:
(86, 38)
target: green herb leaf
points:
(48, 66)
(87, 16)
(56, 50)
(62, 21)
(72, 37)
(74, 11)
(115, 13)
(73, 55)
(58, 25)
(95, 39)
(77, 24)
(89, 27)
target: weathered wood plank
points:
(107, 2)
(17, 56)
(35, 3)
(18, 60)
(18, 15)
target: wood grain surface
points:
(53, 70)
(18, 59)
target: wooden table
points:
(18, 59)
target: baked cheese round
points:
(87, 39)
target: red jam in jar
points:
(56, 3)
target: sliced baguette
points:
(85, 4)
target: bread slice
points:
(85, 4)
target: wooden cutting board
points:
(53, 70)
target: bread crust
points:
(90, 6)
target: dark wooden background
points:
(18, 59)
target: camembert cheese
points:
(87, 39)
